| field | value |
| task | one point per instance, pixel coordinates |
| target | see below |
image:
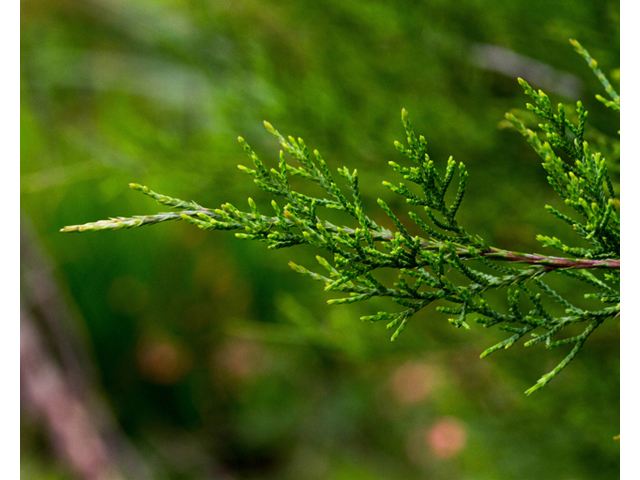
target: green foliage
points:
(444, 263)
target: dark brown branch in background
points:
(56, 386)
(68, 420)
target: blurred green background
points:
(202, 356)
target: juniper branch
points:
(361, 247)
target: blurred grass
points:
(212, 346)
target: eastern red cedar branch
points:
(550, 262)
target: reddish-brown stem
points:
(550, 262)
